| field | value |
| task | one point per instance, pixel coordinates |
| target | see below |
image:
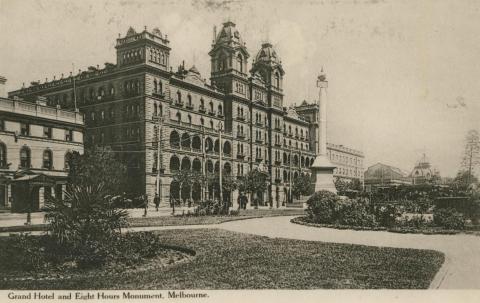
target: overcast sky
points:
(403, 75)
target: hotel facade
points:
(159, 120)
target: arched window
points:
(155, 86)
(196, 143)
(186, 141)
(220, 109)
(155, 109)
(179, 97)
(185, 163)
(160, 87)
(227, 148)
(174, 163)
(189, 119)
(189, 98)
(175, 139)
(240, 63)
(202, 121)
(277, 80)
(211, 124)
(25, 157)
(179, 117)
(3, 155)
(211, 106)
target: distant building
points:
(35, 143)
(382, 175)
(423, 172)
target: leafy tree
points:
(97, 166)
(471, 156)
(255, 181)
(464, 179)
(343, 186)
(302, 185)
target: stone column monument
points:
(322, 168)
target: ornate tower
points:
(229, 60)
(322, 168)
(149, 48)
(268, 67)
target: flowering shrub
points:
(387, 214)
(415, 221)
(448, 218)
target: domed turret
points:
(268, 54)
(229, 59)
(229, 35)
(131, 32)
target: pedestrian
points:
(240, 201)
(145, 204)
(156, 200)
(245, 201)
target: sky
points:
(403, 75)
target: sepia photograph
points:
(163, 150)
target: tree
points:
(255, 181)
(464, 179)
(97, 166)
(302, 185)
(471, 156)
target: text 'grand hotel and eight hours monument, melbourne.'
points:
(159, 121)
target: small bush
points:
(387, 214)
(448, 218)
(322, 207)
(355, 213)
(209, 208)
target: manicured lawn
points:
(228, 260)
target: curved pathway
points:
(461, 269)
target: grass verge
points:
(229, 260)
(179, 219)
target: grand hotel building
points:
(139, 101)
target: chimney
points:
(3, 80)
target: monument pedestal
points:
(322, 174)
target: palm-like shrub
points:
(85, 223)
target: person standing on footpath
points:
(145, 204)
(156, 200)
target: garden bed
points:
(229, 260)
(403, 230)
(16, 260)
